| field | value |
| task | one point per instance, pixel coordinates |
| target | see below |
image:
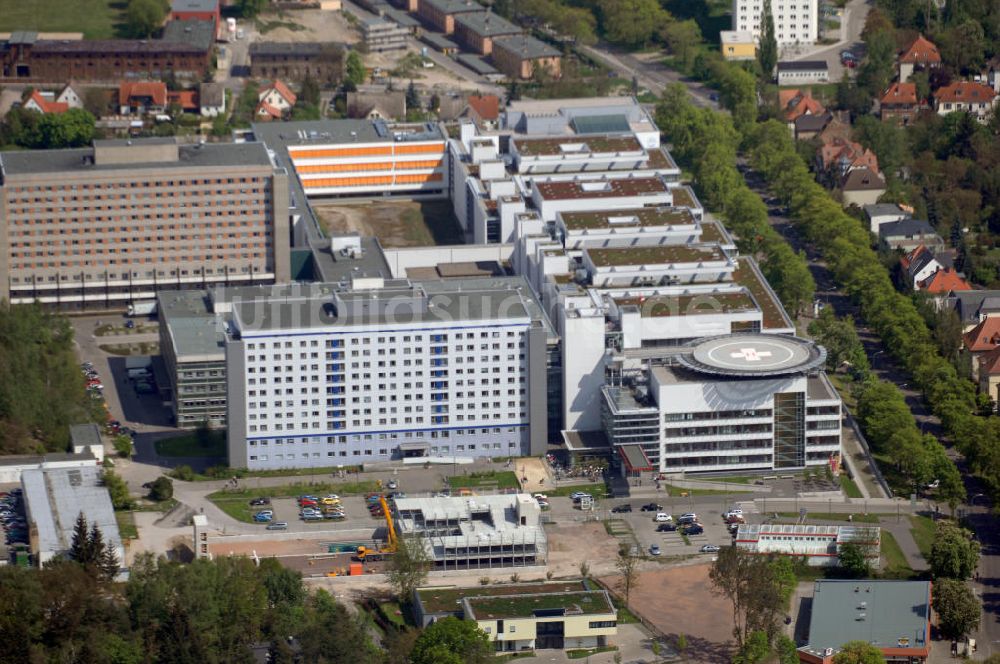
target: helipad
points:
(753, 355)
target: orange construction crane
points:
(364, 554)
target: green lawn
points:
(504, 479)
(596, 490)
(923, 534)
(393, 613)
(296, 489)
(126, 525)
(677, 491)
(849, 487)
(895, 566)
(189, 445)
(97, 19)
(238, 508)
(587, 652)
(824, 516)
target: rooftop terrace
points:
(581, 145)
(690, 305)
(442, 600)
(751, 279)
(646, 216)
(589, 602)
(658, 255)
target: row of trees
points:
(89, 549)
(30, 129)
(706, 142)
(846, 247)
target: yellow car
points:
(330, 501)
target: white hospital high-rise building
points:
(385, 369)
(795, 21)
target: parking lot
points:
(12, 521)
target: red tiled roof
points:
(944, 281)
(802, 103)
(989, 364)
(282, 89)
(263, 108)
(965, 92)
(985, 336)
(155, 90)
(487, 107)
(47, 106)
(921, 52)
(900, 93)
(186, 99)
(907, 260)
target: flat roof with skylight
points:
(611, 188)
(553, 147)
(658, 216)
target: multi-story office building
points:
(795, 21)
(734, 402)
(385, 369)
(119, 221)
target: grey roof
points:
(85, 434)
(969, 304)
(332, 267)
(905, 228)
(487, 24)
(863, 179)
(200, 34)
(922, 260)
(398, 302)
(401, 18)
(298, 49)
(454, 6)
(437, 41)
(281, 135)
(884, 210)
(194, 5)
(23, 37)
(893, 611)
(211, 94)
(803, 65)
(600, 124)
(191, 156)
(56, 496)
(525, 46)
(477, 64)
(174, 304)
(810, 122)
(115, 46)
(198, 339)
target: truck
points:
(142, 308)
(365, 554)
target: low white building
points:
(475, 532)
(803, 72)
(819, 545)
(55, 497)
(12, 466)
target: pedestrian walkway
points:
(900, 529)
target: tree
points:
(407, 568)
(412, 97)
(767, 52)
(854, 559)
(144, 17)
(354, 71)
(310, 93)
(79, 549)
(628, 567)
(683, 38)
(451, 640)
(755, 650)
(750, 584)
(954, 554)
(786, 650)
(631, 23)
(957, 608)
(120, 497)
(858, 652)
(250, 8)
(161, 489)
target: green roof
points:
(445, 600)
(684, 197)
(588, 602)
(690, 305)
(645, 216)
(887, 614)
(751, 279)
(599, 124)
(658, 255)
(571, 145)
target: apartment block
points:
(520, 56)
(476, 30)
(795, 21)
(440, 14)
(382, 35)
(123, 219)
(385, 369)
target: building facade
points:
(121, 220)
(385, 370)
(820, 546)
(440, 14)
(795, 21)
(520, 56)
(322, 62)
(476, 31)
(382, 35)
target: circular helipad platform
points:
(753, 355)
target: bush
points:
(184, 473)
(162, 489)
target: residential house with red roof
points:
(142, 97)
(277, 95)
(484, 110)
(187, 100)
(44, 103)
(921, 54)
(920, 264)
(944, 281)
(982, 341)
(986, 369)
(974, 98)
(899, 104)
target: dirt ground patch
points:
(306, 25)
(394, 223)
(571, 543)
(678, 601)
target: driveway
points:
(851, 24)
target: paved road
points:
(650, 72)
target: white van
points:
(663, 517)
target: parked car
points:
(622, 509)
(312, 517)
(734, 511)
(651, 507)
(393, 485)
(694, 529)
(663, 517)
(334, 515)
(277, 525)
(576, 496)
(262, 517)
(709, 548)
(666, 528)
(654, 550)
(690, 517)
(260, 501)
